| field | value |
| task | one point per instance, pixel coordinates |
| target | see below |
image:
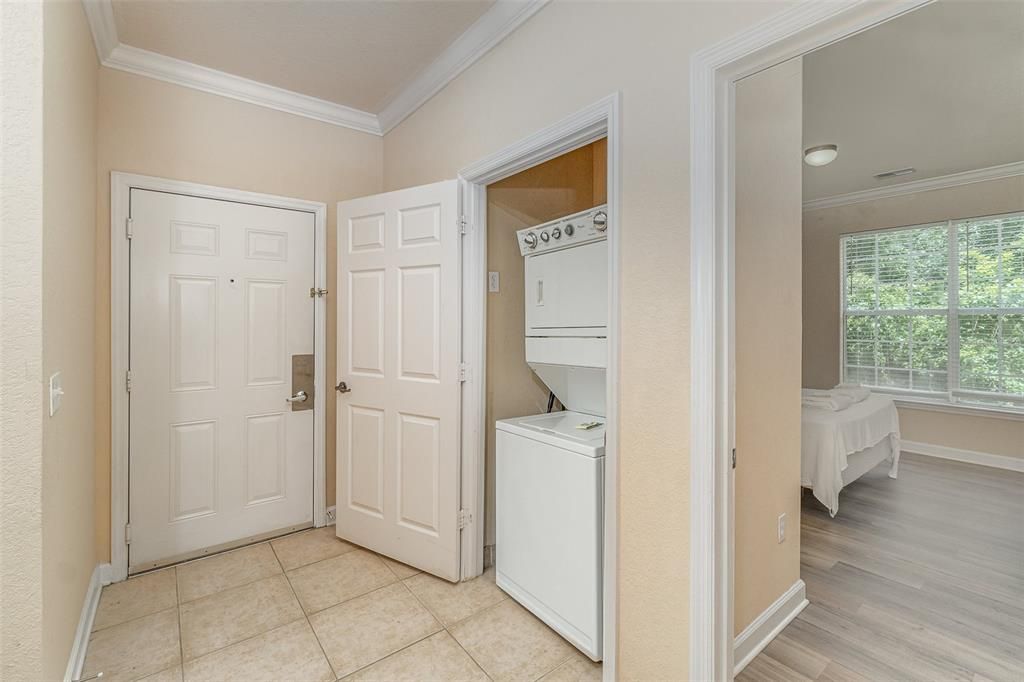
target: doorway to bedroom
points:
(878, 264)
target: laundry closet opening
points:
(546, 340)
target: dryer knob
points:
(569, 229)
(530, 240)
(601, 221)
(556, 233)
(545, 237)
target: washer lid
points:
(562, 429)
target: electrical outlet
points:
(782, 528)
(332, 515)
(492, 282)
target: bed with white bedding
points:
(838, 446)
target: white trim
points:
(598, 120)
(504, 17)
(170, 70)
(120, 187)
(1008, 170)
(766, 627)
(969, 456)
(100, 15)
(963, 409)
(714, 71)
(79, 646)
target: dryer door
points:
(567, 291)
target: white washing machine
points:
(550, 467)
(550, 506)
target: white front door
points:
(398, 354)
(220, 304)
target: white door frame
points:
(714, 72)
(121, 185)
(598, 120)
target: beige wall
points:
(564, 185)
(21, 349)
(70, 70)
(154, 128)
(768, 311)
(821, 233)
(533, 78)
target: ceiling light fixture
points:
(821, 155)
(895, 173)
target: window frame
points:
(948, 400)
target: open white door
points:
(398, 359)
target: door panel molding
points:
(398, 428)
(196, 239)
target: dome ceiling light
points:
(821, 155)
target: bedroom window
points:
(937, 310)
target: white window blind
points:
(937, 310)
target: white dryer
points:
(550, 467)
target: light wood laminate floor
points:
(920, 578)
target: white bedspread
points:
(829, 437)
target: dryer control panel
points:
(578, 228)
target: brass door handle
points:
(342, 387)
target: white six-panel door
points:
(398, 353)
(219, 305)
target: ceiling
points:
(356, 53)
(940, 89)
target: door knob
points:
(299, 397)
(342, 387)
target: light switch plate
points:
(492, 282)
(56, 393)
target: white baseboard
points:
(756, 636)
(969, 456)
(101, 575)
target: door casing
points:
(120, 187)
(591, 123)
(714, 71)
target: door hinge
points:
(128, 228)
(128, 381)
(734, 458)
(465, 518)
(463, 371)
(463, 225)
(127, 533)
(317, 293)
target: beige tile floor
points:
(311, 607)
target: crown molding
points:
(504, 17)
(100, 14)
(171, 70)
(1008, 170)
(489, 30)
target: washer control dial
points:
(544, 236)
(556, 233)
(601, 221)
(530, 240)
(569, 229)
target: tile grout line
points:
(305, 615)
(246, 639)
(225, 589)
(445, 626)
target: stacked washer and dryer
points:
(550, 467)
